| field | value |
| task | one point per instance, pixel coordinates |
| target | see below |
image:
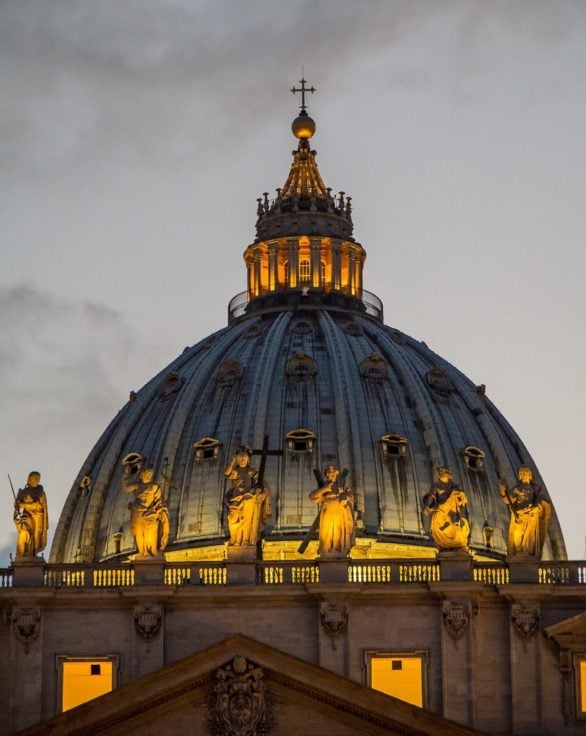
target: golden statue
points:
(336, 515)
(447, 503)
(31, 517)
(530, 515)
(149, 517)
(248, 500)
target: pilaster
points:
(525, 667)
(26, 667)
(293, 252)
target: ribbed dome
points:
(307, 362)
(347, 379)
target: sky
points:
(137, 134)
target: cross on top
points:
(303, 89)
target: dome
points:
(307, 366)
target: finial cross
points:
(303, 89)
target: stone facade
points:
(492, 648)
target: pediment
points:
(240, 687)
(569, 632)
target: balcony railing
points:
(365, 301)
(291, 572)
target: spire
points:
(304, 205)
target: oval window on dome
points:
(474, 457)
(374, 368)
(302, 327)
(353, 328)
(171, 384)
(301, 367)
(438, 381)
(300, 441)
(132, 463)
(85, 485)
(229, 372)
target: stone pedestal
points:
(28, 571)
(149, 570)
(523, 569)
(333, 571)
(455, 564)
(241, 573)
(241, 564)
(243, 553)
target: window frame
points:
(580, 707)
(422, 654)
(61, 659)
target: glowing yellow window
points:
(400, 676)
(84, 679)
(582, 693)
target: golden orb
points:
(303, 127)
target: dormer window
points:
(474, 457)
(393, 445)
(300, 440)
(207, 448)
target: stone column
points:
(293, 251)
(359, 266)
(336, 265)
(315, 249)
(526, 682)
(352, 272)
(26, 667)
(257, 277)
(273, 266)
(457, 674)
(249, 276)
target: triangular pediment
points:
(229, 687)
(569, 632)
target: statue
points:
(248, 500)
(530, 514)
(31, 517)
(447, 503)
(336, 515)
(149, 517)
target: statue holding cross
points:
(248, 500)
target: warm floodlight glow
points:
(84, 680)
(401, 677)
(583, 685)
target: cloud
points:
(65, 368)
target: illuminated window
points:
(322, 272)
(580, 670)
(400, 675)
(304, 270)
(84, 679)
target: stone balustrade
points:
(275, 573)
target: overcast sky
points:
(136, 135)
